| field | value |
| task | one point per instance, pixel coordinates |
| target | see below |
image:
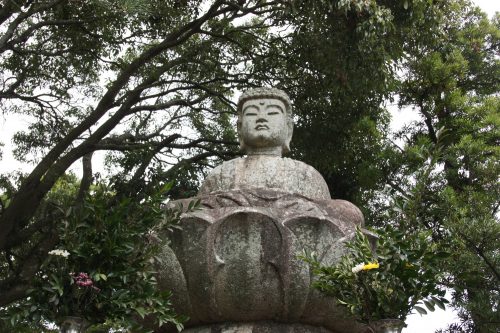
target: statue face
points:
(263, 123)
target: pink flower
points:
(83, 280)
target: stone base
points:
(256, 327)
(236, 261)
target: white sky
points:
(488, 6)
(416, 323)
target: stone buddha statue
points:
(263, 177)
(265, 128)
(233, 265)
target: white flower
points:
(57, 252)
(358, 268)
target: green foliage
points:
(150, 82)
(141, 80)
(338, 89)
(401, 276)
(112, 243)
(452, 81)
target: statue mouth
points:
(261, 127)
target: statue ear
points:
(289, 127)
(240, 137)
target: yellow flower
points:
(370, 265)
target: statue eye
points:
(272, 113)
(250, 114)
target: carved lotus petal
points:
(239, 264)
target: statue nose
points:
(261, 120)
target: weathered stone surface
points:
(258, 327)
(238, 259)
(267, 172)
(233, 266)
(284, 205)
(265, 124)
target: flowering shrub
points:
(102, 269)
(402, 275)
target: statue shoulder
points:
(312, 182)
(219, 176)
(270, 172)
(299, 165)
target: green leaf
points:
(420, 310)
(165, 188)
(429, 304)
(438, 302)
(441, 255)
(141, 311)
(68, 212)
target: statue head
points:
(265, 120)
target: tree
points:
(97, 272)
(452, 80)
(129, 77)
(165, 65)
(340, 88)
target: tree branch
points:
(17, 286)
(480, 253)
(21, 18)
(22, 38)
(86, 177)
(52, 166)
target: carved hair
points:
(263, 92)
